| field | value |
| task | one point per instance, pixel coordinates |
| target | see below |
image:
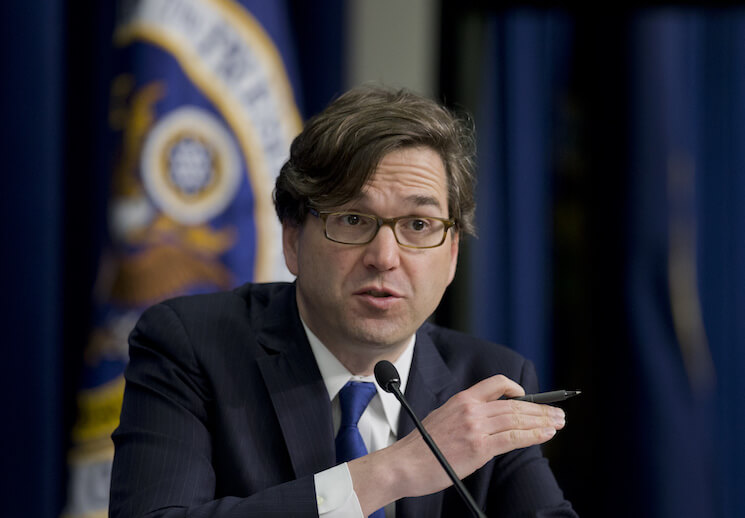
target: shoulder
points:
(472, 359)
(211, 334)
(455, 345)
(223, 316)
(247, 297)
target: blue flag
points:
(203, 113)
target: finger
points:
(508, 406)
(494, 387)
(507, 422)
(513, 439)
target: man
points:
(234, 400)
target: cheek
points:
(435, 276)
(326, 264)
(431, 277)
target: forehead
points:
(414, 174)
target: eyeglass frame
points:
(381, 222)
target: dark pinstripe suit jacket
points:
(225, 414)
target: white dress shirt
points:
(378, 427)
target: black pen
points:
(548, 397)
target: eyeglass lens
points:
(354, 228)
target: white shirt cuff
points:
(335, 494)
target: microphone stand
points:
(392, 384)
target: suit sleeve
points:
(163, 446)
(523, 484)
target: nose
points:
(382, 253)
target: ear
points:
(290, 238)
(454, 242)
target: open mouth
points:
(378, 294)
(379, 299)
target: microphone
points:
(387, 377)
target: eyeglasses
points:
(353, 228)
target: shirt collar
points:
(335, 375)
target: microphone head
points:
(386, 375)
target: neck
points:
(360, 360)
(358, 357)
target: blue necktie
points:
(353, 399)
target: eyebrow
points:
(421, 200)
(418, 200)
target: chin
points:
(376, 334)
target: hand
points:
(471, 428)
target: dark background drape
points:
(611, 238)
(32, 250)
(611, 219)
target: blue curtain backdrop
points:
(612, 241)
(720, 216)
(686, 270)
(524, 66)
(32, 434)
(677, 377)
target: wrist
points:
(380, 478)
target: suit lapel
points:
(430, 384)
(430, 381)
(295, 386)
(301, 401)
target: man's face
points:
(374, 296)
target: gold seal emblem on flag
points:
(190, 165)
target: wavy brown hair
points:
(339, 149)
